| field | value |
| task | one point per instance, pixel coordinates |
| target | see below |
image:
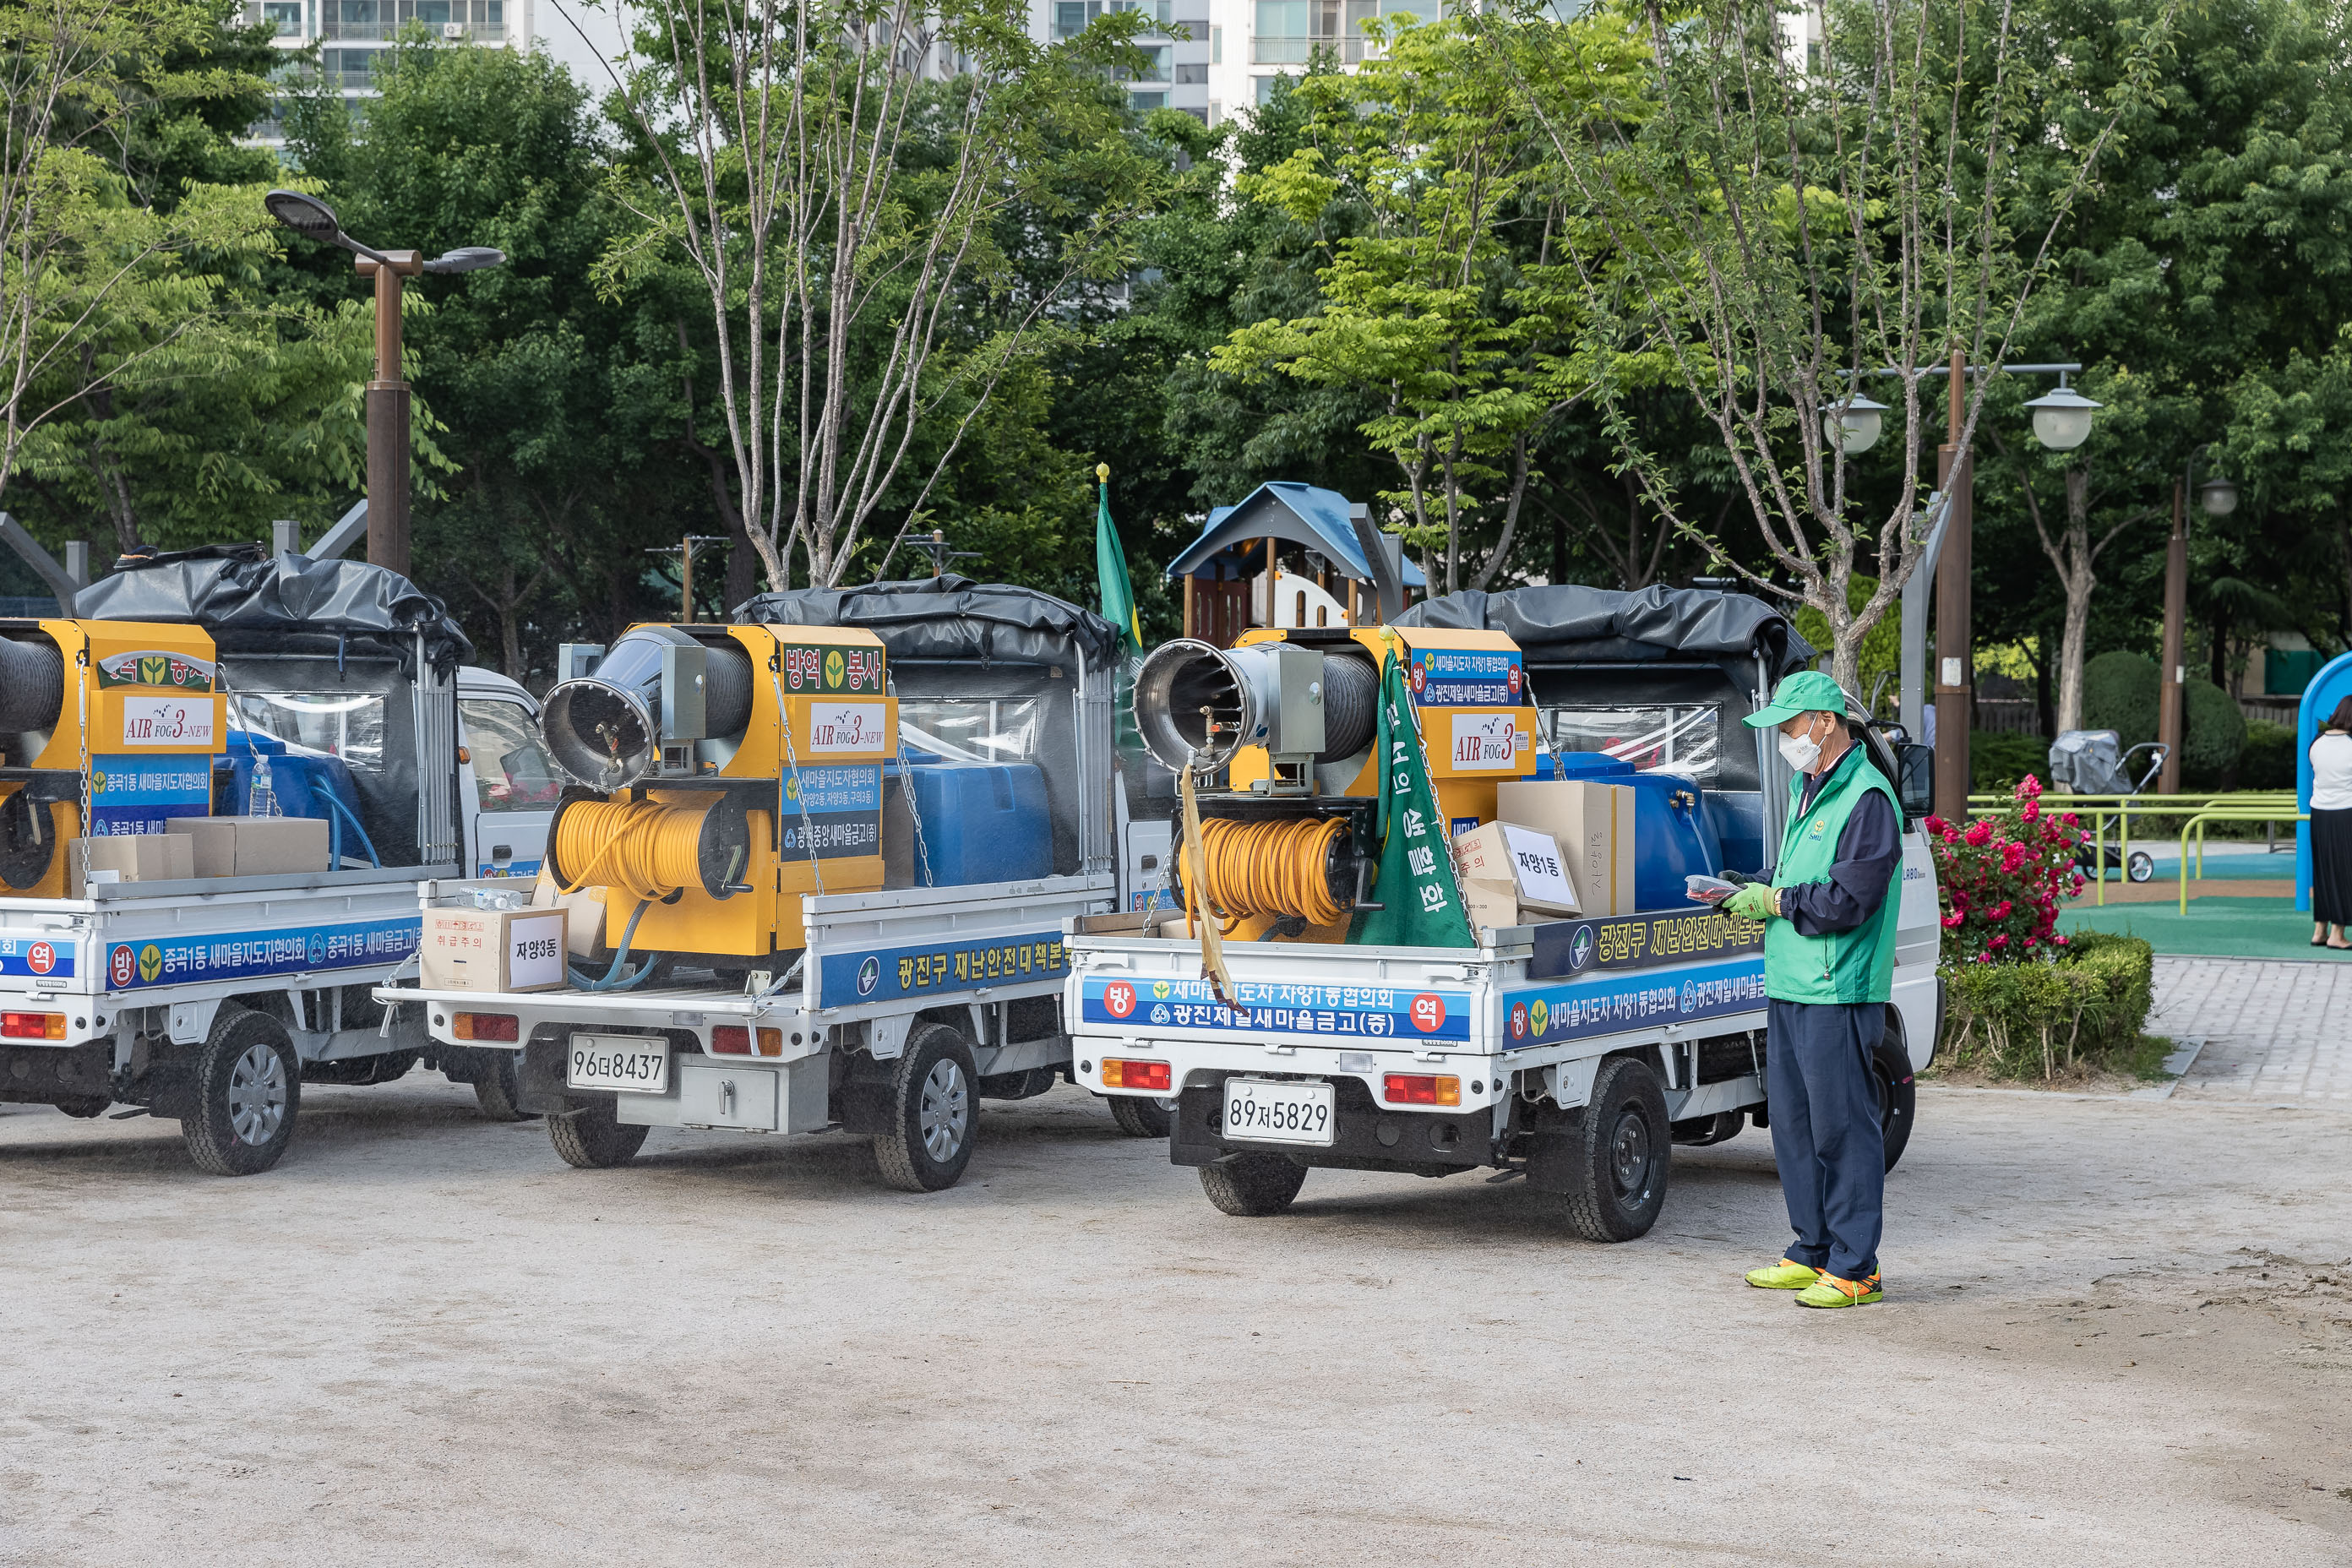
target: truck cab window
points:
(1677, 738)
(512, 770)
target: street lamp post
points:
(2062, 422)
(387, 393)
(2219, 496)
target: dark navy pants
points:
(1827, 1137)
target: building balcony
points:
(1273, 49)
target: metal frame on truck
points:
(1572, 1053)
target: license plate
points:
(630, 1063)
(1261, 1110)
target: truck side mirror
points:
(1915, 767)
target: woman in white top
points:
(2331, 829)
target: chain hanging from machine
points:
(800, 796)
(906, 784)
(82, 700)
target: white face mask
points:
(1799, 752)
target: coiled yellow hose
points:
(643, 847)
(1272, 867)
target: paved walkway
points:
(2273, 1031)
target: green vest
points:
(1856, 965)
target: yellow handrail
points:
(2238, 815)
(2121, 807)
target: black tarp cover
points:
(949, 617)
(1568, 624)
(252, 604)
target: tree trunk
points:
(2043, 710)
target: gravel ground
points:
(2118, 1332)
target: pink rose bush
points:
(2003, 877)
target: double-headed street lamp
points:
(387, 394)
(2062, 422)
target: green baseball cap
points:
(1807, 691)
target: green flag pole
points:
(1110, 568)
(1420, 902)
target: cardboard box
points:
(494, 950)
(1523, 860)
(1593, 824)
(583, 936)
(1493, 904)
(131, 857)
(254, 845)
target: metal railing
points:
(2233, 814)
(2098, 810)
(1298, 49)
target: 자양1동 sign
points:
(168, 721)
(1535, 857)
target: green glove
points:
(1753, 901)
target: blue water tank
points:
(1673, 835)
(983, 822)
(303, 780)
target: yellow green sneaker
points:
(1783, 1276)
(1829, 1291)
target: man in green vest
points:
(1829, 960)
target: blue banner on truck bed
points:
(883, 975)
(192, 959)
(1613, 1005)
(1374, 1011)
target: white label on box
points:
(1535, 860)
(846, 727)
(535, 951)
(167, 721)
(1486, 742)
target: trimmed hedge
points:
(1998, 759)
(2031, 1020)
(2216, 735)
(2267, 760)
(2119, 694)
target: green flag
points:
(1110, 568)
(1421, 902)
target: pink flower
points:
(2059, 941)
(2000, 941)
(1952, 922)
(2028, 942)
(1935, 825)
(2000, 910)
(1978, 833)
(2028, 787)
(2071, 820)
(2033, 809)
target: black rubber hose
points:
(32, 686)
(1351, 706)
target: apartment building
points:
(350, 34)
(1209, 58)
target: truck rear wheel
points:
(1898, 1097)
(1623, 1144)
(1140, 1116)
(594, 1138)
(497, 1092)
(1252, 1186)
(933, 1105)
(249, 1086)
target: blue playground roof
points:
(1281, 509)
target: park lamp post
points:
(387, 393)
(2219, 496)
(2062, 422)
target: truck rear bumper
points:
(1365, 1136)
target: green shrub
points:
(2216, 734)
(1997, 760)
(2119, 694)
(2267, 761)
(2032, 1020)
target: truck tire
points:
(1898, 1097)
(497, 1092)
(1138, 1117)
(933, 1110)
(247, 1087)
(1252, 1186)
(594, 1138)
(1622, 1147)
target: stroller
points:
(2094, 761)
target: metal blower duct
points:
(1196, 705)
(658, 686)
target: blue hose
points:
(613, 980)
(343, 814)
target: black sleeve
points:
(1868, 851)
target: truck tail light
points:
(1119, 1074)
(730, 1040)
(33, 1025)
(485, 1027)
(1421, 1088)
(771, 1042)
